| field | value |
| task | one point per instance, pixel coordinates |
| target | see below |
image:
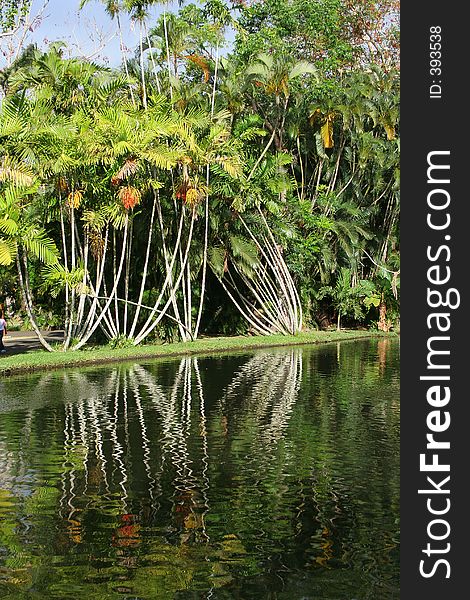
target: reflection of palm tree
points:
(145, 441)
(175, 410)
(173, 438)
(89, 429)
(105, 418)
(271, 381)
(118, 451)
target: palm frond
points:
(14, 172)
(37, 242)
(8, 249)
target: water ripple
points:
(220, 477)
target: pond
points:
(263, 474)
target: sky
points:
(90, 31)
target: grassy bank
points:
(42, 360)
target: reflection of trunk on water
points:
(205, 458)
(383, 346)
(13, 466)
(98, 454)
(268, 385)
(271, 383)
(64, 475)
(143, 428)
(109, 460)
(7, 463)
(88, 467)
(173, 442)
(106, 423)
(97, 425)
(282, 409)
(83, 433)
(118, 451)
(190, 497)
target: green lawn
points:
(40, 359)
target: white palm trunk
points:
(206, 211)
(276, 304)
(83, 294)
(107, 326)
(123, 55)
(169, 268)
(126, 279)
(113, 294)
(64, 249)
(27, 299)
(152, 320)
(73, 264)
(142, 69)
(154, 66)
(145, 271)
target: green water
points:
(268, 474)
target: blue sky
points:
(86, 30)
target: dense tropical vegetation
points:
(239, 173)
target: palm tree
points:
(205, 143)
(250, 264)
(274, 76)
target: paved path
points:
(17, 342)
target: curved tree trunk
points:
(27, 299)
(144, 274)
(112, 295)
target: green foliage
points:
(56, 277)
(17, 230)
(295, 128)
(299, 28)
(121, 341)
(372, 300)
(46, 319)
(12, 12)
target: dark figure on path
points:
(3, 331)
